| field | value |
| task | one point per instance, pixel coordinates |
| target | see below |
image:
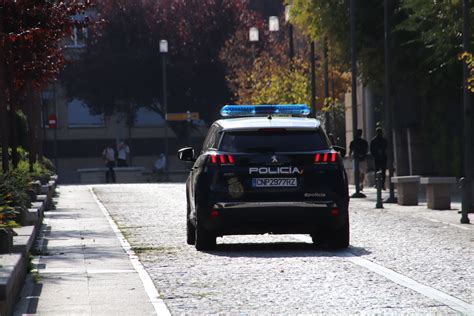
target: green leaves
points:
(8, 212)
(469, 60)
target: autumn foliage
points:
(32, 33)
(31, 56)
(121, 68)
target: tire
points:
(204, 240)
(190, 230)
(333, 238)
(190, 233)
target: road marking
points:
(158, 304)
(446, 223)
(444, 298)
(82, 271)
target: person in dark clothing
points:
(378, 150)
(109, 157)
(358, 149)
(332, 139)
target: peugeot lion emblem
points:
(274, 159)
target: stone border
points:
(13, 266)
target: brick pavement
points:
(280, 275)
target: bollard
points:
(461, 184)
(379, 185)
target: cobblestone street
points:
(401, 260)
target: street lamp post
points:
(327, 118)
(467, 187)
(291, 50)
(253, 38)
(164, 51)
(312, 60)
(253, 34)
(357, 194)
(273, 24)
(388, 108)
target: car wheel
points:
(190, 230)
(204, 240)
(332, 238)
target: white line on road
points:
(450, 224)
(158, 304)
(446, 299)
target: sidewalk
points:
(449, 217)
(82, 269)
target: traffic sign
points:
(52, 121)
(186, 116)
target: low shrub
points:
(8, 211)
(15, 184)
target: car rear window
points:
(274, 141)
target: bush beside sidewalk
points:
(14, 262)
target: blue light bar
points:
(257, 110)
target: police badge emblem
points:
(236, 188)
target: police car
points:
(266, 169)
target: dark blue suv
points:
(262, 172)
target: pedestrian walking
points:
(378, 150)
(109, 157)
(358, 149)
(123, 153)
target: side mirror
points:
(340, 150)
(186, 154)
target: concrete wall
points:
(68, 167)
(77, 147)
(365, 114)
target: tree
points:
(426, 39)
(30, 57)
(262, 72)
(469, 60)
(330, 20)
(120, 70)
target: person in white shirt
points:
(109, 157)
(123, 152)
(160, 164)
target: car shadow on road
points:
(282, 250)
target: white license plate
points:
(274, 182)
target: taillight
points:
(217, 159)
(325, 158)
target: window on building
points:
(79, 32)
(78, 37)
(80, 116)
(147, 118)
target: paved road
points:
(401, 260)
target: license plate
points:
(274, 182)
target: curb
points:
(13, 266)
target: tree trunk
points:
(14, 137)
(13, 97)
(37, 106)
(31, 125)
(3, 103)
(130, 155)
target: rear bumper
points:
(289, 204)
(293, 217)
